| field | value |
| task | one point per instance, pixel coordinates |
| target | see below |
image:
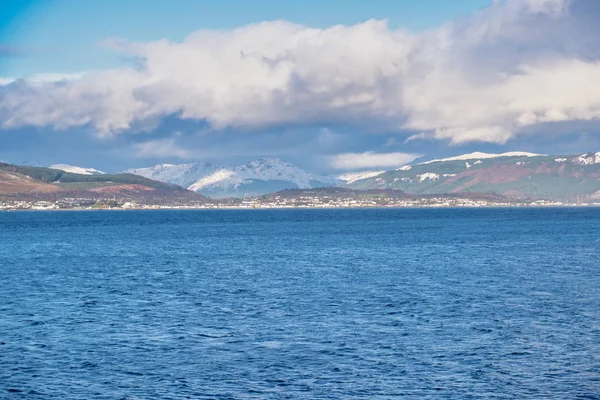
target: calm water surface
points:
(300, 304)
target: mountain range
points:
(520, 175)
(258, 177)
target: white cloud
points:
(484, 78)
(161, 149)
(46, 78)
(555, 8)
(369, 159)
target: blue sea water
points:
(301, 304)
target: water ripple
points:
(300, 304)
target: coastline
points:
(225, 208)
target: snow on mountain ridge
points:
(265, 169)
(179, 174)
(77, 170)
(480, 155)
(220, 178)
(260, 175)
(588, 158)
(428, 176)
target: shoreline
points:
(168, 208)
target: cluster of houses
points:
(275, 202)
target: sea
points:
(448, 303)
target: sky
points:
(330, 85)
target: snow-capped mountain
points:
(266, 175)
(479, 155)
(262, 176)
(179, 174)
(515, 174)
(77, 170)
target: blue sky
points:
(115, 84)
(63, 36)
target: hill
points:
(40, 183)
(517, 175)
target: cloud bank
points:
(484, 78)
(369, 159)
(161, 148)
